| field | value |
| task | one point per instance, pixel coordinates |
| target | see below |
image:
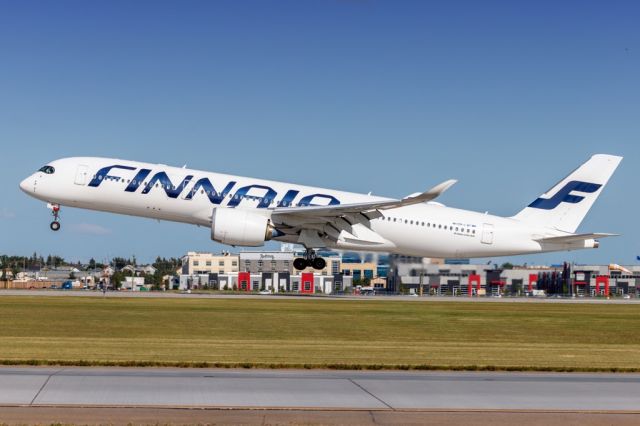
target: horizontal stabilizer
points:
(566, 239)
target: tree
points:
(507, 265)
(117, 278)
(57, 261)
(154, 279)
(120, 262)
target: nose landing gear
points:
(55, 212)
(310, 259)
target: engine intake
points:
(238, 227)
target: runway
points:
(272, 389)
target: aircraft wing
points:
(343, 209)
(348, 223)
(574, 238)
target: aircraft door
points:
(487, 233)
(81, 175)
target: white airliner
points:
(242, 211)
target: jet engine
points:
(238, 227)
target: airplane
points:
(242, 211)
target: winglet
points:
(432, 193)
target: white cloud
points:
(5, 213)
(89, 228)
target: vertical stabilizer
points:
(565, 205)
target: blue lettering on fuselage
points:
(170, 189)
(103, 174)
(214, 196)
(204, 185)
(137, 180)
(265, 201)
(288, 198)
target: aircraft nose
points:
(27, 184)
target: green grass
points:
(319, 333)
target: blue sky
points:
(389, 97)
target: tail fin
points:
(566, 204)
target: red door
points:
(306, 283)
(244, 281)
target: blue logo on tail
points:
(565, 196)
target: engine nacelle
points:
(238, 227)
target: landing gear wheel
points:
(299, 263)
(55, 212)
(318, 263)
(309, 259)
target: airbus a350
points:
(242, 211)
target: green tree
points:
(120, 262)
(117, 279)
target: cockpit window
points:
(48, 170)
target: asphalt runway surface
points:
(314, 397)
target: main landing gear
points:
(55, 212)
(310, 259)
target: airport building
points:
(412, 275)
(273, 271)
(260, 271)
(199, 263)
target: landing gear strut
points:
(310, 259)
(55, 212)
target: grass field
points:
(316, 333)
